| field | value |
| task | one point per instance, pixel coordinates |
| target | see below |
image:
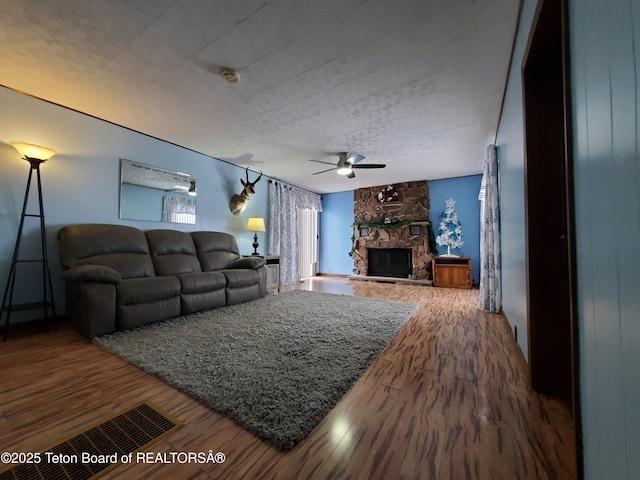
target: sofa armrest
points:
(91, 273)
(253, 262)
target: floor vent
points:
(96, 450)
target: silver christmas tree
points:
(450, 232)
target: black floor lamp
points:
(36, 156)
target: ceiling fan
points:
(346, 164)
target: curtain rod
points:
(291, 186)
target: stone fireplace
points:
(391, 221)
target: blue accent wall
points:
(337, 217)
(336, 231)
(81, 184)
(464, 190)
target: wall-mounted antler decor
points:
(238, 203)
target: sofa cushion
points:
(138, 314)
(242, 294)
(125, 249)
(240, 277)
(172, 252)
(202, 282)
(216, 250)
(145, 300)
(197, 302)
(201, 291)
(145, 290)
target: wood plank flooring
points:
(448, 398)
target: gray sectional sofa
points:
(119, 277)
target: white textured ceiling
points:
(415, 84)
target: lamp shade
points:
(29, 150)
(256, 224)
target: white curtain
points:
(490, 262)
(284, 201)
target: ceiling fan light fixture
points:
(347, 163)
(344, 169)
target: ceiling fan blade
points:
(350, 175)
(370, 165)
(355, 159)
(323, 171)
(320, 161)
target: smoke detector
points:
(230, 75)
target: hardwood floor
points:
(448, 398)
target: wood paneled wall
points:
(605, 69)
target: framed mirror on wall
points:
(155, 194)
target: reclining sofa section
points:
(118, 277)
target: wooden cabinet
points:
(273, 273)
(453, 272)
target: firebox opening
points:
(389, 262)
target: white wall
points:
(605, 69)
(510, 140)
(81, 184)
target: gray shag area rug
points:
(276, 365)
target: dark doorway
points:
(553, 356)
(389, 262)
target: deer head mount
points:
(238, 203)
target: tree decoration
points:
(450, 232)
(388, 194)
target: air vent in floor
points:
(120, 435)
